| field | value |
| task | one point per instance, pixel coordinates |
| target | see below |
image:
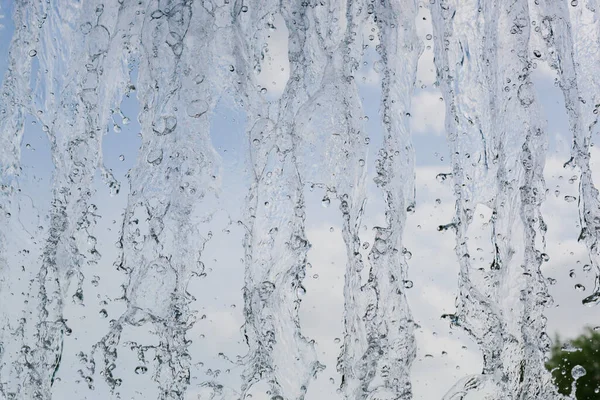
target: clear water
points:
(158, 243)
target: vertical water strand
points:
(383, 369)
(465, 41)
(506, 297)
(74, 127)
(329, 129)
(520, 288)
(572, 35)
(276, 245)
(15, 102)
(534, 381)
(263, 207)
(175, 171)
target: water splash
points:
(70, 64)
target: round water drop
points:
(263, 90)
(276, 397)
(121, 157)
(326, 201)
(231, 68)
(197, 108)
(86, 28)
(408, 284)
(578, 371)
(579, 287)
(587, 268)
(570, 199)
(103, 313)
(32, 53)
(428, 36)
(141, 370)
(155, 156)
(574, 3)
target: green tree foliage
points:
(583, 351)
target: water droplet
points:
(591, 300)
(231, 68)
(574, 3)
(197, 108)
(326, 201)
(32, 53)
(569, 348)
(442, 177)
(587, 268)
(121, 157)
(408, 284)
(570, 199)
(140, 370)
(579, 287)
(244, 8)
(164, 125)
(86, 28)
(103, 313)
(78, 296)
(155, 156)
(578, 371)
(301, 291)
(428, 36)
(263, 90)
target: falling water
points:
(72, 64)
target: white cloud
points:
(428, 113)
